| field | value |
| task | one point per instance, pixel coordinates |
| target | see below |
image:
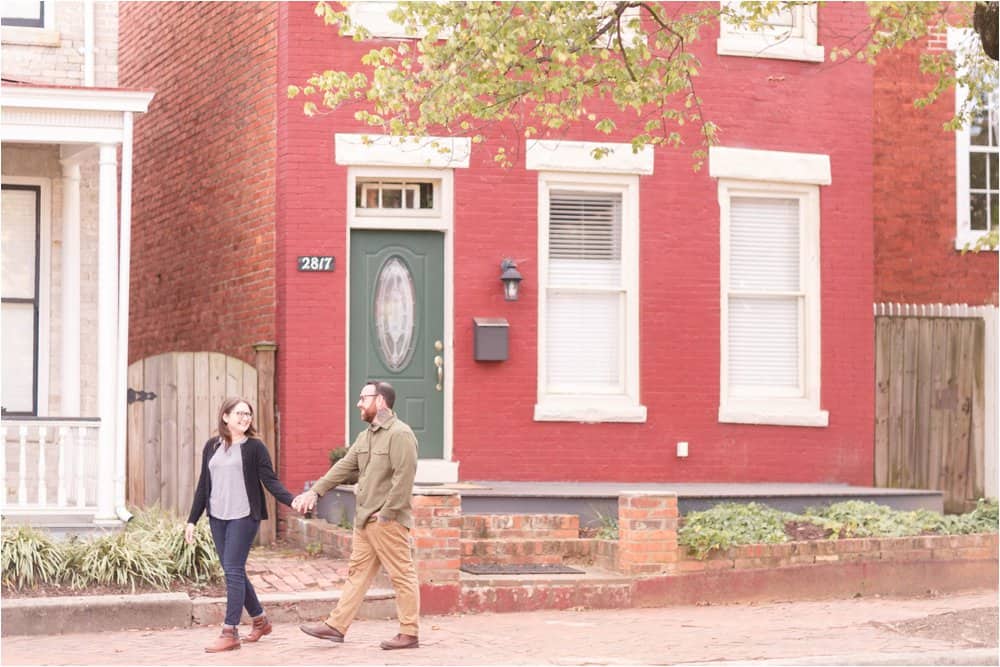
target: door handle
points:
(439, 362)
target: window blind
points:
(765, 298)
(585, 296)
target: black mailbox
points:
(489, 338)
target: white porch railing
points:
(48, 465)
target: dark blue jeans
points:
(233, 539)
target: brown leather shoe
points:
(323, 631)
(229, 640)
(400, 641)
(261, 627)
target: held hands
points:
(189, 533)
(304, 502)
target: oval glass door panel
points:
(395, 324)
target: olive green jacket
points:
(383, 462)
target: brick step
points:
(517, 551)
(515, 526)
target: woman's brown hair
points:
(225, 409)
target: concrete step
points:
(519, 526)
(594, 589)
(522, 551)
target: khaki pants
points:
(385, 544)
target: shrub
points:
(857, 518)
(30, 557)
(729, 524)
(198, 562)
(123, 559)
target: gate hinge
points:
(139, 395)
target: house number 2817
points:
(316, 263)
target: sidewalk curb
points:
(109, 613)
(94, 613)
(969, 656)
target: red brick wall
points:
(203, 208)
(914, 185)
(764, 104)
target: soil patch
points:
(975, 628)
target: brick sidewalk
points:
(281, 570)
(670, 635)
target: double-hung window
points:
(977, 156)
(21, 209)
(588, 299)
(788, 34)
(770, 286)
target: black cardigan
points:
(257, 469)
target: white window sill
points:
(590, 410)
(757, 47)
(968, 237)
(29, 36)
(774, 417)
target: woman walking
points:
(233, 466)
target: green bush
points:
(30, 557)
(730, 524)
(123, 559)
(149, 551)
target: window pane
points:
(977, 212)
(764, 244)
(584, 338)
(993, 171)
(18, 361)
(392, 197)
(18, 241)
(979, 134)
(994, 210)
(22, 13)
(977, 171)
(426, 195)
(764, 342)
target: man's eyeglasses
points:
(243, 414)
(365, 397)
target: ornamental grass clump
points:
(30, 557)
(123, 560)
(198, 562)
(730, 524)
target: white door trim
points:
(428, 470)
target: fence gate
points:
(174, 402)
(929, 406)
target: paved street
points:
(931, 628)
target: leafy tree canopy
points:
(541, 67)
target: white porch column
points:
(125, 259)
(69, 362)
(107, 331)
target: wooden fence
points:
(166, 433)
(935, 390)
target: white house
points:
(66, 136)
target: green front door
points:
(397, 327)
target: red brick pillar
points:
(647, 532)
(437, 529)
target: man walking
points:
(383, 462)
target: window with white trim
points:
(29, 22)
(977, 156)
(21, 210)
(770, 286)
(770, 302)
(373, 16)
(788, 34)
(588, 298)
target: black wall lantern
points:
(511, 279)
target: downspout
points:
(88, 43)
(124, 263)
